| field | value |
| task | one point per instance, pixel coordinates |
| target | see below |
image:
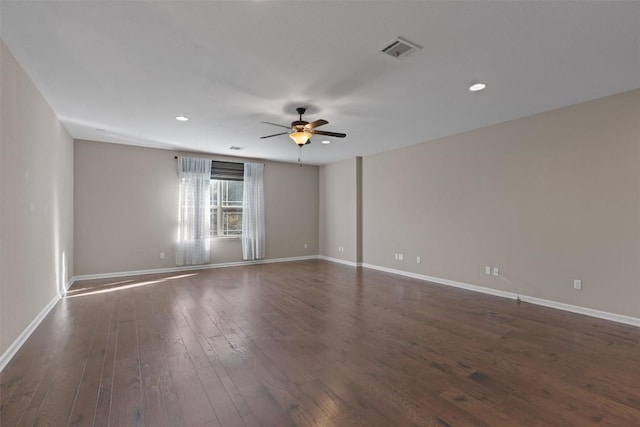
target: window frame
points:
(218, 209)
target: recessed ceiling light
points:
(326, 142)
(182, 118)
(477, 86)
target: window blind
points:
(228, 171)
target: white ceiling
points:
(129, 68)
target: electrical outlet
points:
(400, 257)
(487, 270)
(496, 271)
(161, 255)
(395, 256)
(577, 284)
(305, 246)
(417, 260)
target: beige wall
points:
(36, 196)
(339, 209)
(548, 199)
(126, 206)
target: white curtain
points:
(194, 215)
(253, 212)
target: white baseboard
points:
(26, 333)
(620, 318)
(68, 285)
(22, 338)
(188, 268)
(15, 346)
(455, 284)
(340, 261)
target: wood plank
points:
(126, 394)
(103, 403)
(57, 407)
(84, 407)
(160, 398)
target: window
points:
(226, 208)
(227, 188)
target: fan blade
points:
(276, 124)
(315, 124)
(334, 134)
(275, 134)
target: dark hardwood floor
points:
(315, 344)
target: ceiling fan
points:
(301, 131)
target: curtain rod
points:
(224, 161)
(176, 157)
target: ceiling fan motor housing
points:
(302, 130)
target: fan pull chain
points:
(300, 155)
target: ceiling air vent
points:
(235, 147)
(400, 48)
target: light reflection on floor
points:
(119, 286)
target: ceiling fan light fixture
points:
(300, 138)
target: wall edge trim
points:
(619, 318)
(189, 268)
(11, 351)
(17, 344)
(592, 312)
(340, 261)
